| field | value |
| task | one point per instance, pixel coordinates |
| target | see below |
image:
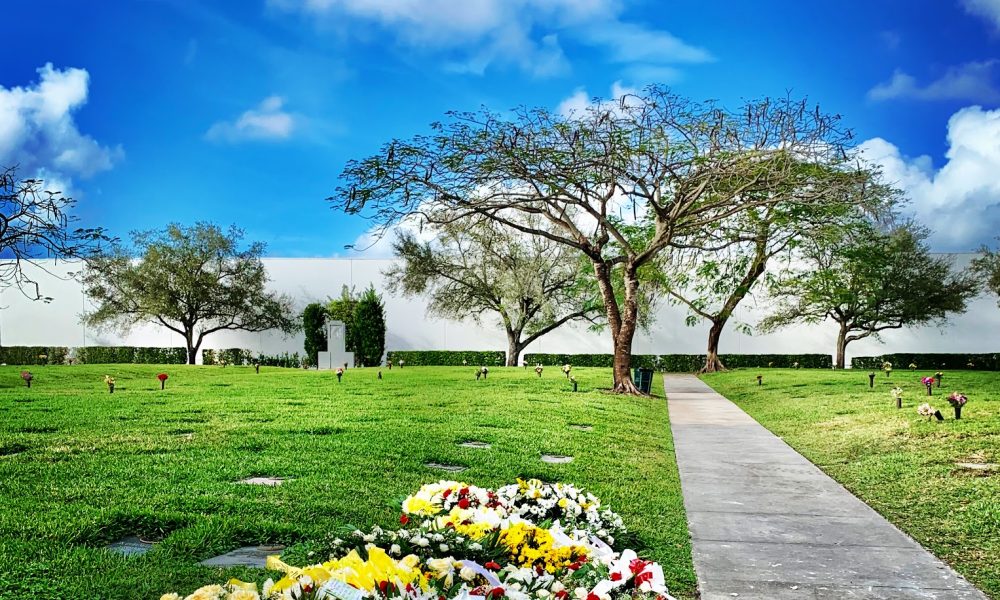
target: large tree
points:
(192, 280)
(715, 270)
(987, 267)
(869, 281)
(36, 224)
(530, 283)
(656, 158)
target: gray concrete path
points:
(766, 523)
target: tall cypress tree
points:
(313, 324)
(368, 331)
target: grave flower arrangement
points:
(957, 401)
(163, 379)
(928, 383)
(925, 410)
(897, 395)
(566, 370)
(539, 369)
(110, 382)
(27, 377)
(887, 367)
(525, 541)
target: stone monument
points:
(335, 355)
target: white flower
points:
(467, 574)
(444, 547)
(395, 549)
(422, 542)
(475, 546)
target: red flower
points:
(162, 376)
(637, 565)
(403, 519)
(496, 592)
(575, 566)
(463, 492)
(446, 493)
(592, 596)
(464, 503)
(383, 586)
(643, 577)
(561, 595)
(616, 576)
(492, 566)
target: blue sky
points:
(246, 111)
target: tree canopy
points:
(987, 267)
(870, 281)
(368, 328)
(314, 328)
(35, 224)
(654, 158)
(193, 280)
(530, 283)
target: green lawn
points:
(80, 468)
(898, 462)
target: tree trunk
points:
(713, 363)
(192, 347)
(841, 347)
(514, 347)
(626, 332)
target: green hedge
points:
(685, 363)
(447, 357)
(33, 355)
(241, 357)
(902, 361)
(146, 355)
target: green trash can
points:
(643, 379)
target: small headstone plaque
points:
(475, 444)
(130, 546)
(247, 556)
(448, 468)
(270, 481)
(556, 459)
(580, 427)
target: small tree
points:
(313, 325)
(192, 280)
(870, 281)
(987, 268)
(36, 224)
(724, 264)
(342, 309)
(531, 283)
(369, 329)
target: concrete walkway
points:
(767, 524)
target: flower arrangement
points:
(340, 373)
(913, 366)
(926, 410)
(163, 379)
(525, 541)
(566, 369)
(957, 399)
(795, 365)
(27, 377)
(539, 369)
(887, 367)
(110, 382)
(897, 395)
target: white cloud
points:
(974, 82)
(579, 101)
(519, 33)
(38, 133)
(267, 121)
(961, 200)
(988, 9)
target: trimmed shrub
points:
(286, 360)
(686, 363)
(233, 356)
(33, 355)
(454, 358)
(96, 355)
(929, 361)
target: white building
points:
(23, 322)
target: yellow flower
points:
(173, 596)
(208, 592)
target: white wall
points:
(23, 322)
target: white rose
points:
(444, 547)
(395, 549)
(467, 574)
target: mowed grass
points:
(901, 464)
(80, 468)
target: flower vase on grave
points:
(760, 380)
(939, 416)
(871, 379)
(958, 412)
(929, 387)
(939, 376)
